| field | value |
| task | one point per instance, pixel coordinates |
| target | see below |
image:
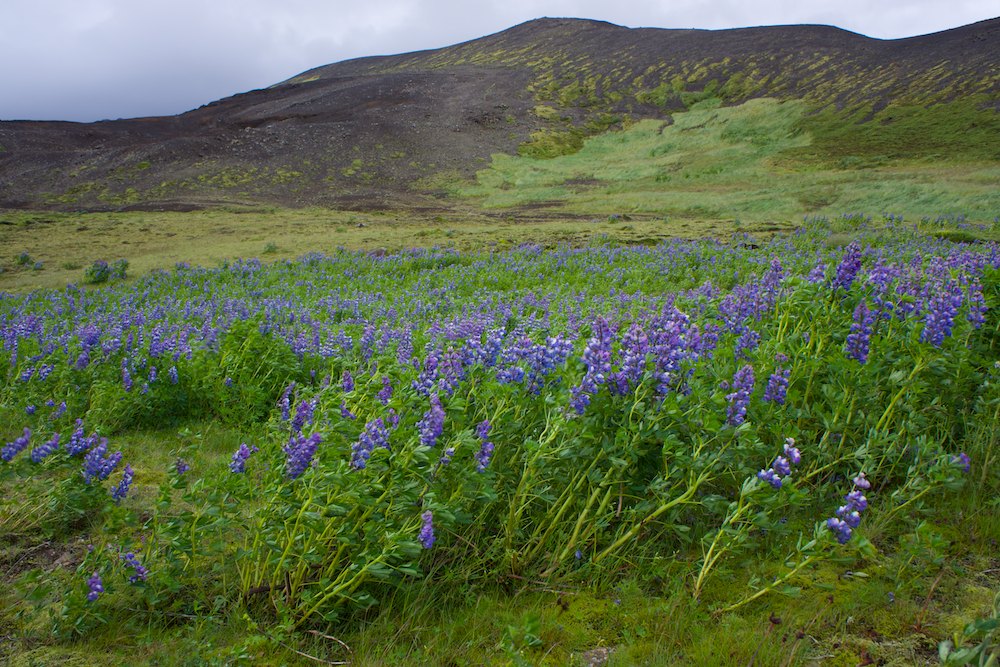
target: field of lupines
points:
(564, 416)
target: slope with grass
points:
(741, 162)
(397, 131)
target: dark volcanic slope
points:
(384, 131)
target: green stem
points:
(632, 532)
(711, 558)
(767, 589)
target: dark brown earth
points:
(394, 131)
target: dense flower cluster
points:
(120, 491)
(859, 340)
(46, 449)
(777, 383)
(299, 453)
(95, 586)
(431, 426)
(485, 453)
(597, 357)
(139, 571)
(426, 535)
(98, 464)
(739, 399)
(848, 268)
(849, 514)
(238, 464)
(374, 435)
(782, 465)
(14, 448)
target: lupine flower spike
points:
(427, 530)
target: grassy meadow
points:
(503, 441)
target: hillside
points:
(413, 130)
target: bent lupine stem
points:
(693, 484)
(336, 588)
(517, 506)
(290, 540)
(606, 485)
(767, 589)
(809, 382)
(711, 557)
(884, 419)
(564, 502)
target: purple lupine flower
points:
(977, 304)
(848, 268)
(849, 515)
(30, 410)
(374, 435)
(347, 381)
(300, 451)
(856, 500)
(140, 572)
(739, 399)
(940, 314)
(98, 466)
(432, 424)
(635, 349)
(746, 343)
(172, 374)
(284, 402)
(962, 461)
(152, 374)
(96, 587)
(447, 456)
(782, 466)
(450, 371)
(240, 456)
(303, 416)
(840, 529)
(393, 418)
(777, 384)
(771, 284)
(181, 467)
(859, 340)
(120, 491)
(597, 357)
(50, 447)
(426, 536)
(385, 394)
(771, 477)
(58, 412)
(424, 383)
(78, 442)
(345, 412)
(486, 447)
(792, 452)
(126, 378)
(14, 448)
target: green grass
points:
(752, 162)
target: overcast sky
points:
(86, 60)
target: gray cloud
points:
(91, 59)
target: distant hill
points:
(400, 131)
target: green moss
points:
(963, 129)
(546, 144)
